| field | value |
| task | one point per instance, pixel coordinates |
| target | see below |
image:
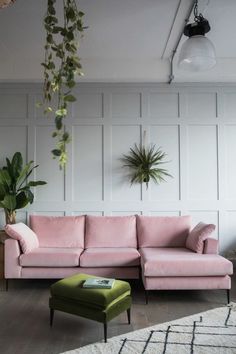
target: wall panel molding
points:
(195, 125)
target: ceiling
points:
(127, 40)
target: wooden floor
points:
(24, 316)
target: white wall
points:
(195, 125)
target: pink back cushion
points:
(196, 238)
(110, 231)
(163, 231)
(22, 233)
(59, 231)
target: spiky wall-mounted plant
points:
(144, 164)
(61, 65)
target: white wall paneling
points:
(164, 105)
(230, 165)
(201, 105)
(18, 110)
(194, 124)
(167, 138)
(202, 160)
(123, 137)
(126, 105)
(12, 139)
(48, 168)
(87, 163)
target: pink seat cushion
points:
(196, 238)
(158, 231)
(51, 257)
(110, 257)
(110, 231)
(181, 262)
(59, 231)
(22, 233)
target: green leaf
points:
(70, 36)
(5, 178)
(57, 29)
(17, 162)
(70, 14)
(36, 183)
(38, 104)
(24, 172)
(61, 112)
(29, 196)
(9, 202)
(66, 137)
(51, 65)
(51, 10)
(3, 191)
(70, 98)
(49, 38)
(21, 200)
(58, 122)
(56, 152)
(70, 83)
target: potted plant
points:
(145, 164)
(15, 189)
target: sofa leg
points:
(146, 296)
(6, 282)
(128, 315)
(51, 317)
(105, 332)
(228, 295)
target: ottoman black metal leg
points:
(51, 317)
(146, 296)
(128, 315)
(105, 332)
(228, 295)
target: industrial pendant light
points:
(197, 52)
(5, 3)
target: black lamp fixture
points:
(197, 52)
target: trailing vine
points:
(61, 65)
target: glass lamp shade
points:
(197, 54)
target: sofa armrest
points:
(12, 253)
(211, 246)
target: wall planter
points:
(144, 164)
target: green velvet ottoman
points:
(102, 305)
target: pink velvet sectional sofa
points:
(163, 251)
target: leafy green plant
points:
(61, 65)
(144, 164)
(15, 190)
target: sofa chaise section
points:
(167, 263)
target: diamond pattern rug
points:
(211, 332)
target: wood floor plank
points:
(24, 316)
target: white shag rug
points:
(211, 332)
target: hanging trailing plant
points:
(61, 65)
(144, 164)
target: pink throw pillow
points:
(196, 238)
(22, 233)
